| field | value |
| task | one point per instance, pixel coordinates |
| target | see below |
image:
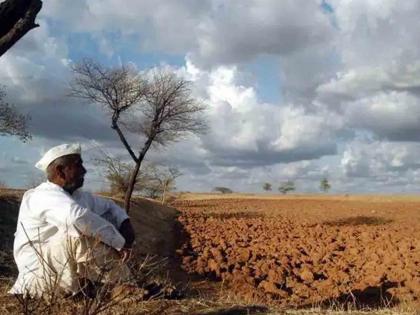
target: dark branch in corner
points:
(17, 18)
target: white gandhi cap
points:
(56, 152)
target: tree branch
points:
(124, 141)
(17, 18)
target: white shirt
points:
(48, 210)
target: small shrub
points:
(223, 190)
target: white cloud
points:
(354, 84)
(300, 129)
(35, 70)
(211, 32)
(380, 159)
(245, 129)
(157, 25)
(394, 116)
(240, 31)
(377, 32)
(353, 71)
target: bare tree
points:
(161, 181)
(11, 121)
(17, 18)
(161, 103)
(117, 173)
(153, 181)
(168, 182)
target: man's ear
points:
(59, 170)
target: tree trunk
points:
(134, 174)
(17, 18)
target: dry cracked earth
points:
(305, 252)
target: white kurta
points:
(47, 211)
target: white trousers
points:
(66, 259)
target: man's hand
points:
(127, 231)
(125, 254)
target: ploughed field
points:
(302, 252)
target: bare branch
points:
(170, 111)
(17, 18)
(11, 121)
(115, 89)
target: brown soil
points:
(289, 252)
(300, 252)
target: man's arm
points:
(93, 225)
(67, 215)
(118, 215)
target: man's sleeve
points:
(67, 215)
(110, 210)
(94, 225)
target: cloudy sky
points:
(296, 89)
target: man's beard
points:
(73, 186)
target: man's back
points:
(35, 225)
(48, 211)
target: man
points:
(66, 238)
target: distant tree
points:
(11, 121)
(324, 185)
(168, 181)
(287, 186)
(117, 174)
(223, 190)
(161, 181)
(267, 187)
(17, 18)
(156, 108)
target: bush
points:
(223, 190)
(287, 186)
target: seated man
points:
(65, 235)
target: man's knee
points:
(79, 247)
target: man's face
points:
(74, 173)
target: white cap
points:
(56, 152)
